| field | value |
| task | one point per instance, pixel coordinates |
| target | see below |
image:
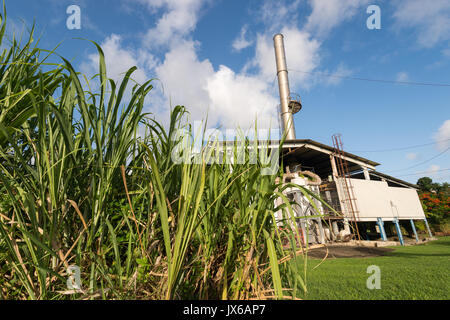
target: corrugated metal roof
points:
(299, 143)
(329, 148)
(305, 142)
(388, 177)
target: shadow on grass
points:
(415, 254)
(338, 252)
(441, 243)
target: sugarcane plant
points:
(87, 179)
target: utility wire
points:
(374, 80)
(426, 161)
(423, 172)
(402, 148)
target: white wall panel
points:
(375, 199)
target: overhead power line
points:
(423, 162)
(423, 172)
(402, 148)
(429, 84)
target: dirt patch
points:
(335, 252)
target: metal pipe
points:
(283, 85)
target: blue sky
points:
(216, 58)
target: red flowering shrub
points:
(436, 206)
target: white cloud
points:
(302, 56)
(226, 97)
(434, 168)
(184, 78)
(442, 137)
(412, 156)
(336, 77)
(179, 20)
(446, 52)
(328, 14)
(436, 173)
(241, 100)
(433, 171)
(236, 98)
(303, 50)
(325, 14)
(278, 13)
(118, 60)
(241, 42)
(431, 21)
(402, 77)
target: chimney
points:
(287, 104)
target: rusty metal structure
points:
(349, 198)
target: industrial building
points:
(365, 200)
(365, 204)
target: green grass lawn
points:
(414, 272)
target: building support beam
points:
(321, 232)
(349, 159)
(366, 173)
(305, 235)
(414, 229)
(428, 227)
(399, 231)
(381, 227)
(335, 228)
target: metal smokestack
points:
(283, 85)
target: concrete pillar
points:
(321, 232)
(334, 168)
(335, 227)
(399, 231)
(414, 229)
(347, 227)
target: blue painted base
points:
(414, 229)
(382, 231)
(399, 232)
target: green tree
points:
(435, 199)
(425, 184)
